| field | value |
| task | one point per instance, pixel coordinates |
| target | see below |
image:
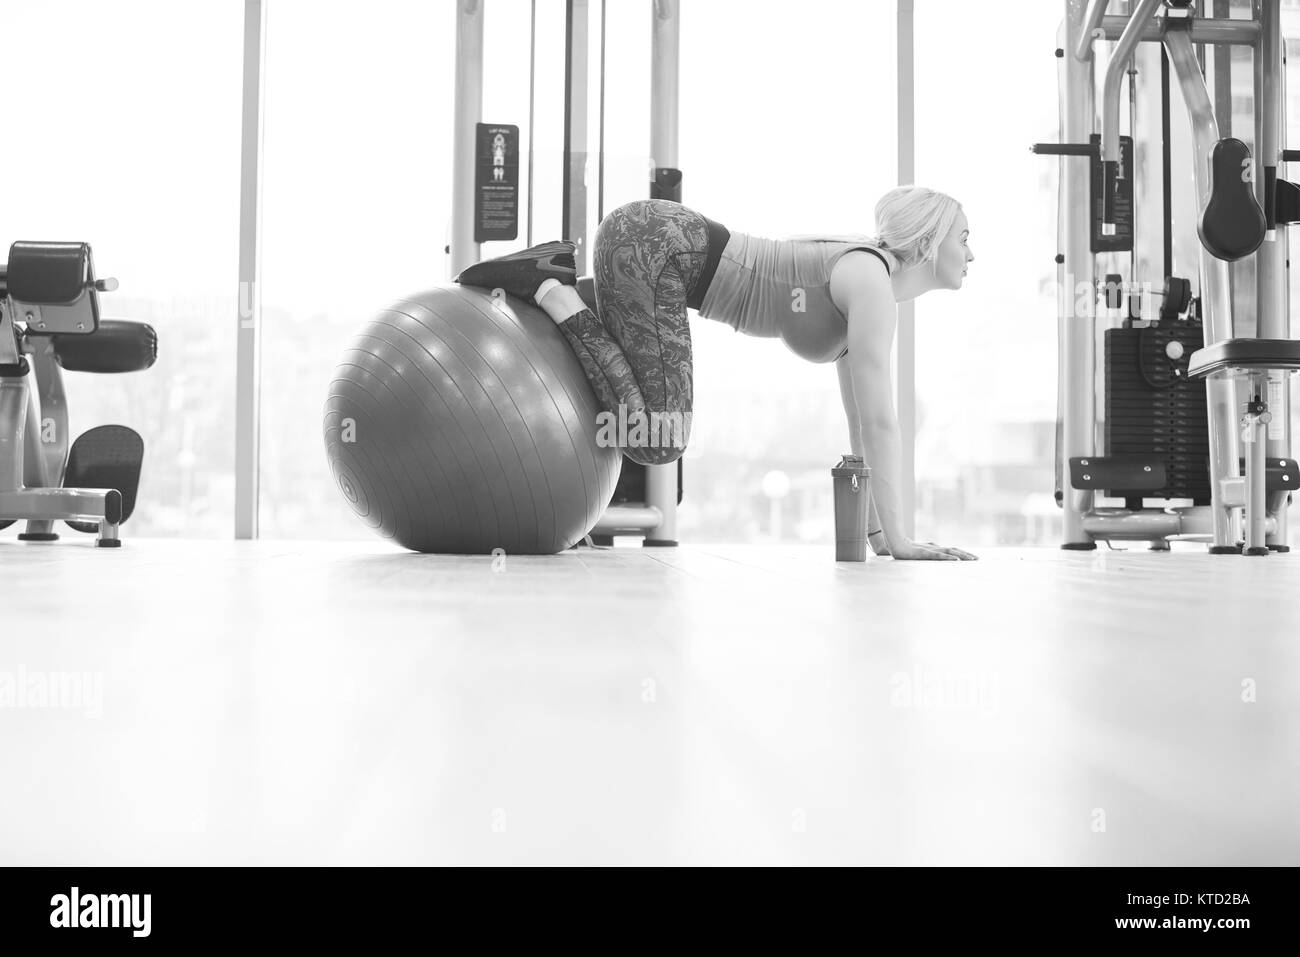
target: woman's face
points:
(954, 254)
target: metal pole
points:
(469, 111)
(248, 358)
(1270, 260)
(1216, 298)
(1082, 45)
(665, 43)
(1221, 56)
(1204, 30)
(600, 119)
(1256, 512)
(574, 213)
(1078, 344)
(1115, 69)
(906, 134)
(532, 89)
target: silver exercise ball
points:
(458, 422)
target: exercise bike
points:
(49, 322)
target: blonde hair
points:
(912, 222)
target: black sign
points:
(496, 183)
(1122, 239)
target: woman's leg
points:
(601, 357)
(647, 257)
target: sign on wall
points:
(496, 183)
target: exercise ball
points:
(462, 422)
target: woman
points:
(830, 299)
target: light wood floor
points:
(304, 703)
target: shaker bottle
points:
(851, 481)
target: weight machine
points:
(50, 323)
(1186, 389)
(646, 497)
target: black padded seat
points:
(1258, 354)
(118, 345)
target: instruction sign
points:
(496, 182)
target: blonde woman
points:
(828, 298)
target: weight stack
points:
(1154, 410)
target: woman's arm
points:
(860, 286)
(875, 533)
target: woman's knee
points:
(646, 436)
(652, 456)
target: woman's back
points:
(781, 288)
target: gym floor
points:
(307, 703)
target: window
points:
(986, 355)
(132, 145)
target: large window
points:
(787, 128)
(986, 355)
(358, 194)
(358, 201)
(356, 211)
(122, 131)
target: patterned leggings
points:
(636, 350)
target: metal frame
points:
(1272, 287)
(469, 111)
(665, 74)
(1078, 346)
(1220, 523)
(906, 359)
(248, 358)
(573, 218)
(31, 469)
(657, 518)
(1115, 68)
(532, 112)
(1216, 290)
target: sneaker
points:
(521, 274)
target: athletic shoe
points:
(521, 274)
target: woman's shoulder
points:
(866, 258)
(857, 271)
(862, 262)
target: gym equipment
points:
(1174, 416)
(1175, 299)
(462, 422)
(1232, 226)
(49, 310)
(646, 498)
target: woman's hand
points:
(910, 551)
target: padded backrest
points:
(52, 288)
(1232, 225)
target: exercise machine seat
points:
(1232, 226)
(1258, 354)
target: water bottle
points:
(851, 481)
